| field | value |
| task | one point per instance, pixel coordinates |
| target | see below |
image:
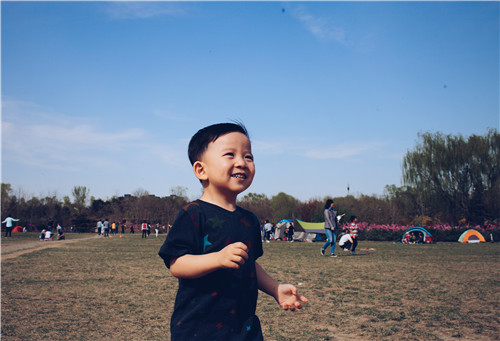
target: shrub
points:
(443, 232)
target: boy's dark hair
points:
(352, 218)
(199, 142)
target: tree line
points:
(446, 180)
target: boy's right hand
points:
(233, 255)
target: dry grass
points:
(119, 289)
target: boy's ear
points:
(199, 170)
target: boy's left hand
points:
(289, 298)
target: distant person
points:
(105, 228)
(42, 235)
(345, 241)
(99, 227)
(353, 227)
(420, 238)
(330, 228)
(268, 227)
(144, 229)
(157, 229)
(8, 225)
(214, 245)
(132, 228)
(290, 232)
(61, 236)
(413, 239)
(48, 235)
(406, 239)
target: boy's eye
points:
(229, 154)
(249, 157)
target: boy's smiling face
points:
(226, 167)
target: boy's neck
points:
(227, 203)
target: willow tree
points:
(448, 171)
(80, 195)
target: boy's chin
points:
(240, 188)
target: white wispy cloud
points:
(309, 149)
(342, 151)
(320, 27)
(268, 147)
(141, 10)
(37, 137)
(171, 155)
(170, 116)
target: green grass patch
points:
(119, 289)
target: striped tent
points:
(471, 236)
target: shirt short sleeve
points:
(183, 237)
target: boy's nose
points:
(240, 161)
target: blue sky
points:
(107, 94)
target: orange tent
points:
(17, 229)
(471, 236)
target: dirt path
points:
(13, 251)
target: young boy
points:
(354, 233)
(346, 241)
(213, 246)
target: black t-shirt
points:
(220, 305)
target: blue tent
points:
(427, 236)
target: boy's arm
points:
(196, 266)
(286, 295)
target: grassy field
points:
(119, 289)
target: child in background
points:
(345, 241)
(290, 232)
(213, 246)
(353, 227)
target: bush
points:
(443, 233)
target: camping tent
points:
(17, 229)
(471, 236)
(309, 231)
(428, 238)
(310, 227)
(279, 232)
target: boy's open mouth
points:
(239, 176)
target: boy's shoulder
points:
(193, 205)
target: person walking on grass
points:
(353, 227)
(144, 229)
(105, 228)
(330, 228)
(8, 225)
(99, 228)
(214, 245)
(267, 231)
